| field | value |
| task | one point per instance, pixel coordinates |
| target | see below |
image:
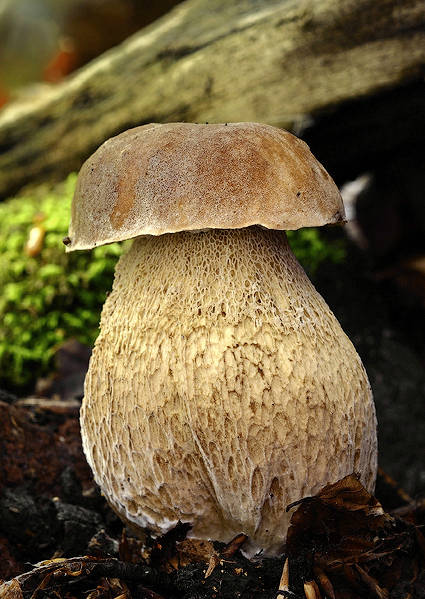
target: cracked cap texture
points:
(158, 179)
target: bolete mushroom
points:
(221, 387)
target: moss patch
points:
(48, 297)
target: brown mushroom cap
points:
(174, 177)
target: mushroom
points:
(221, 387)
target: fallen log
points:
(282, 62)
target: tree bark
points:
(282, 62)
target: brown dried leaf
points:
(350, 541)
(348, 494)
(342, 515)
(11, 590)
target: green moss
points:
(53, 296)
(312, 248)
(50, 297)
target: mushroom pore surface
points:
(222, 388)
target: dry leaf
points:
(11, 590)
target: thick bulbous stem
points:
(222, 388)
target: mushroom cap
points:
(158, 179)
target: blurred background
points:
(347, 77)
(45, 40)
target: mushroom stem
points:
(222, 388)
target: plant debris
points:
(60, 540)
(343, 538)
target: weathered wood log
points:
(282, 62)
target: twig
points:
(53, 405)
(283, 590)
(228, 552)
(372, 584)
(85, 567)
(324, 582)
(311, 590)
(232, 547)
